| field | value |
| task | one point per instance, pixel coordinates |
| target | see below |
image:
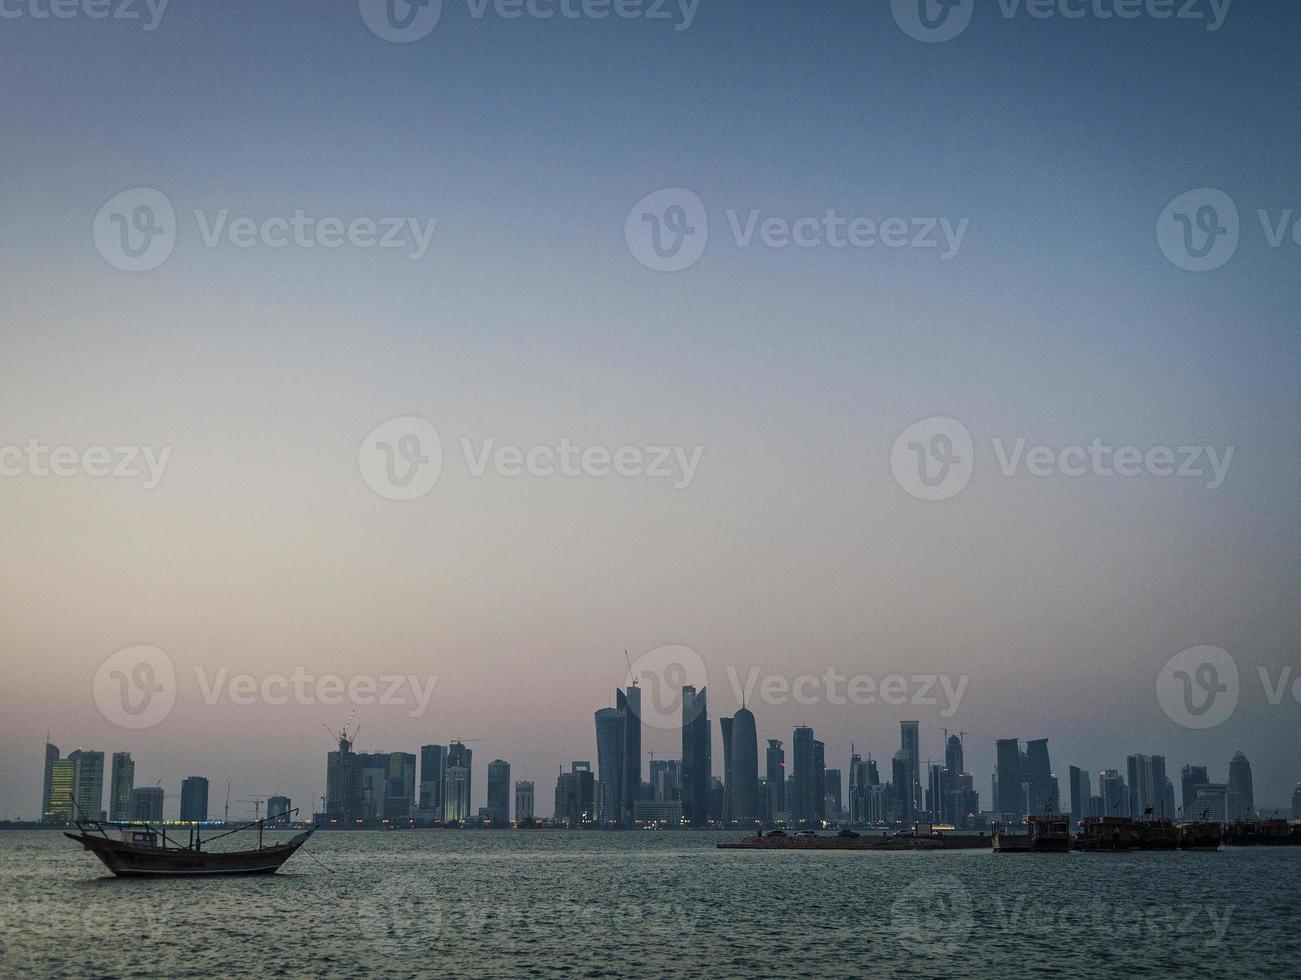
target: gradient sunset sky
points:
(794, 549)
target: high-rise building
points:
(910, 744)
(194, 798)
(1112, 794)
(51, 757)
(575, 794)
(121, 782)
(1041, 786)
(820, 778)
(1151, 794)
(725, 730)
(936, 780)
(89, 778)
(278, 806)
(1216, 804)
(903, 788)
(610, 764)
(863, 777)
(1009, 800)
(433, 770)
(775, 767)
(1240, 783)
(1080, 791)
(629, 702)
(666, 780)
(457, 784)
(499, 791)
(399, 786)
(697, 771)
(456, 794)
(63, 788)
(833, 793)
(1190, 778)
(743, 771)
(523, 802)
(147, 803)
(343, 786)
(953, 755)
(806, 804)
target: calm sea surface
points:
(552, 903)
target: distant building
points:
(910, 745)
(658, 811)
(610, 764)
(775, 766)
(278, 806)
(833, 790)
(725, 730)
(1009, 798)
(1190, 778)
(194, 798)
(666, 780)
(1081, 792)
(1240, 784)
(147, 803)
(1217, 803)
(744, 771)
(499, 791)
(524, 802)
(1113, 796)
(629, 702)
(433, 770)
(903, 788)
(1040, 784)
(697, 769)
(63, 787)
(457, 783)
(576, 794)
(89, 783)
(121, 783)
(805, 801)
(51, 757)
(400, 786)
(1150, 791)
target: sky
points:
(526, 306)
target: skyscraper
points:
(743, 774)
(610, 764)
(820, 779)
(910, 744)
(343, 788)
(1151, 795)
(433, 770)
(697, 771)
(1190, 778)
(1081, 791)
(89, 782)
(63, 788)
(725, 730)
(523, 802)
(1240, 783)
(121, 783)
(399, 786)
(666, 780)
(1114, 796)
(51, 757)
(804, 806)
(499, 791)
(1010, 799)
(904, 787)
(457, 783)
(629, 702)
(194, 798)
(775, 767)
(575, 794)
(278, 806)
(1041, 789)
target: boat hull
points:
(127, 861)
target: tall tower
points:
(743, 774)
(1240, 784)
(697, 770)
(51, 757)
(121, 785)
(910, 745)
(629, 702)
(610, 765)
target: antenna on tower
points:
(630, 673)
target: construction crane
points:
(346, 735)
(225, 814)
(630, 673)
(257, 802)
